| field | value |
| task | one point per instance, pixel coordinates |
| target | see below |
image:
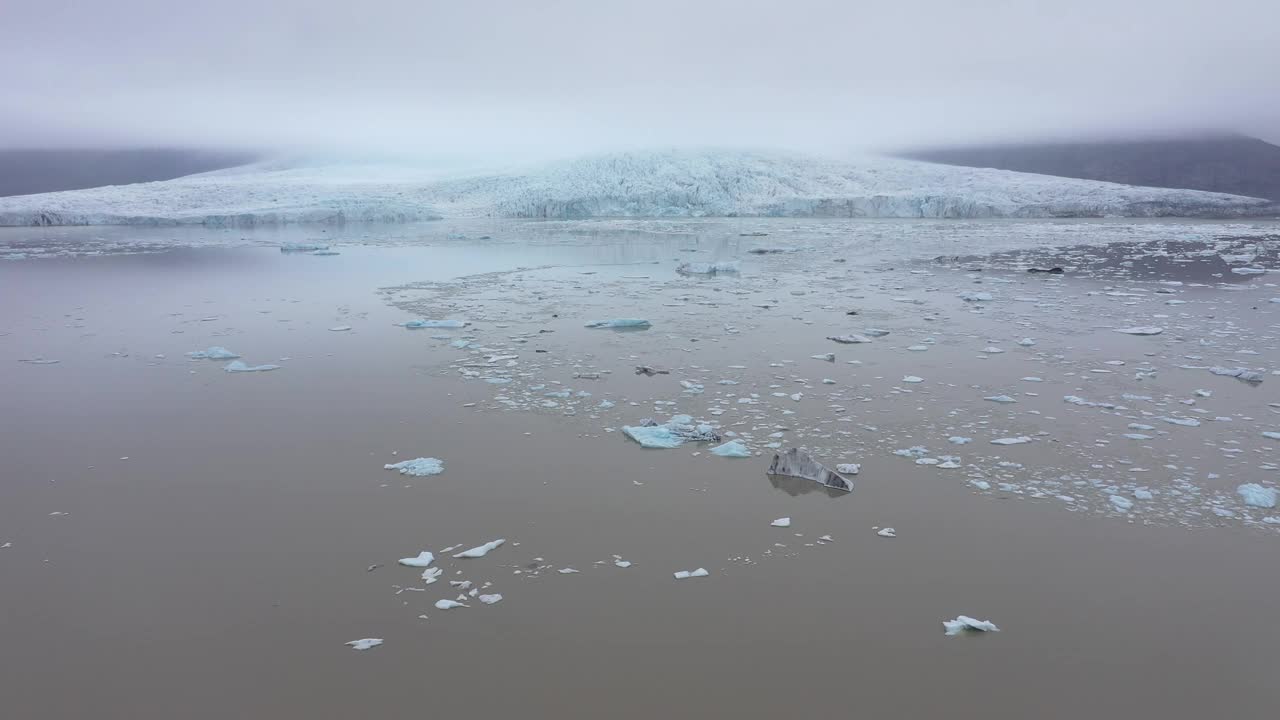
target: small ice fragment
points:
(424, 559)
(340, 328)
(365, 643)
(1239, 373)
(449, 604)
(782, 522)
(1000, 399)
(912, 379)
(1026, 342)
(975, 296)
(848, 468)
(682, 574)
(732, 449)
(616, 323)
(959, 440)
(887, 532)
(566, 571)
(965, 623)
(491, 599)
(481, 550)
(238, 366)
(418, 467)
(1141, 330)
(216, 352)
(430, 575)
(1256, 495)
(1122, 503)
(850, 339)
(622, 563)
(829, 357)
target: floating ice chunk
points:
(875, 332)
(1239, 373)
(238, 366)
(1026, 342)
(959, 440)
(732, 449)
(216, 352)
(1256, 495)
(1137, 436)
(1000, 399)
(671, 434)
(567, 571)
(992, 350)
(481, 550)
(430, 575)
(1183, 421)
(1143, 494)
(300, 247)
(418, 467)
(797, 463)
(1019, 440)
(848, 468)
(850, 339)
(422, 323)
(620, 323)
(39, 361)
(912, 379)
(980, 484)
(1077, 400)
(424, 559)
(340, 328)
(1249, 271)
(702, 268)
(781, 522)
(1121, 503)
(918, 348)
(975, 296)
(887, 532)
(491, 599)
(683, 574)
(1141, 330)
(829, 357)
(363, 643)
(449, 604)
(1271, 435)
(964, 623)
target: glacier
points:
(671, 183)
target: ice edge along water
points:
(676, 183)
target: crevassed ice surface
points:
(639, 184)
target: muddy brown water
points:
(218, 570)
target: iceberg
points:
(216, 352)
(481, 550)
(424, 559)
(421, 323)
(620, 324)
(964, 623)
(702, 268)
(365, 643)
(1239, 373)
(418, 467)
(302, 247)
(671, 434)
(797, 463)
(1255, 495)
(732, 449)
(237, 366)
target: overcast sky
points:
(548, 77)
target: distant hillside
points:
(27, 172)
(1227, 164)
